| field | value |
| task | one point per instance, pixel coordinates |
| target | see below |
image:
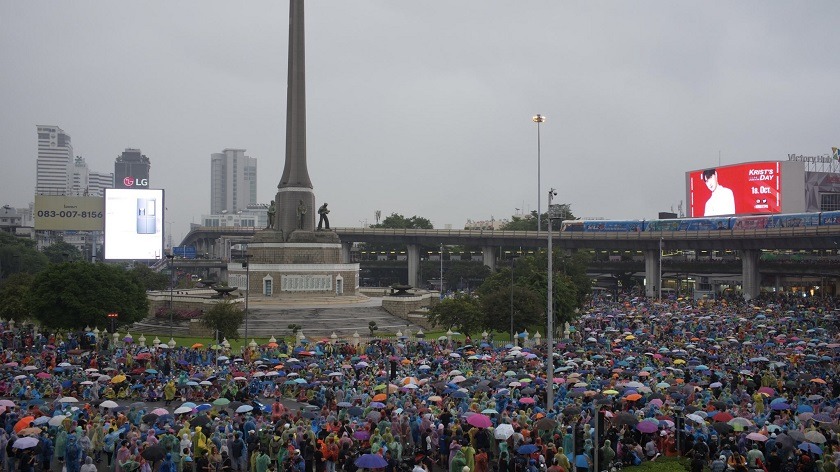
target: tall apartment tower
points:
(55, 161)
(88, 182)
(233, 181)
(131, 169)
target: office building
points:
(55, 161)
(88, 182)
(233, 181)
(131, 169)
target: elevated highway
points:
(216, 243)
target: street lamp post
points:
(538, 119)
(512, 267)
(550, 309)
(170, 257)
(660, 268)
(247, 287)
(441, 271)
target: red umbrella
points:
(723, 417)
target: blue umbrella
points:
(371, 461)
(527, 449)
(810, 447)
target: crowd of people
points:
(726, 384)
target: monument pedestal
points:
(307, 265)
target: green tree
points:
(60, 252)
(397, 221)
(225, 318)
(529, 222)
(527, 310)
(571, 287)
(372, 327)
(462, 313)
(14, 296)
(294, 328)
(468, 273)
(149, 279)
(77, 294)
(19, 255)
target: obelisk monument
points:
(295, 200)
(291, 258)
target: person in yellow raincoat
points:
(199, 442)
(758, 402)
(169, 392)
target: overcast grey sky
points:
(425, 107)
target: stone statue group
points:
(323, 219)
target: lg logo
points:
(131, 182)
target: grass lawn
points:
(236, 344)
(662, 464)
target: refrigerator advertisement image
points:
(133, 224)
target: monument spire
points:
(295, 200)
(295, 173)
(292, 258)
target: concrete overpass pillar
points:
(413, 264)
(652, 272)
(751, 278)
(488, 253)
(345, 251)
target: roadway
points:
(816, 237)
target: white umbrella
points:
(503, 431)
(183, 409)
(244, 409)
(25, 443)
(68, 400)
(56, 420)
(109, 404)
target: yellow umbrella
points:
(610, 392)
(629, 337)
(118, 379)
(679, 361)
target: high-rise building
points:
(89, 182)
(55, 161)
(131, 169)
(233, 181)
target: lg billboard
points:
(133, 224)
(751, 188)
